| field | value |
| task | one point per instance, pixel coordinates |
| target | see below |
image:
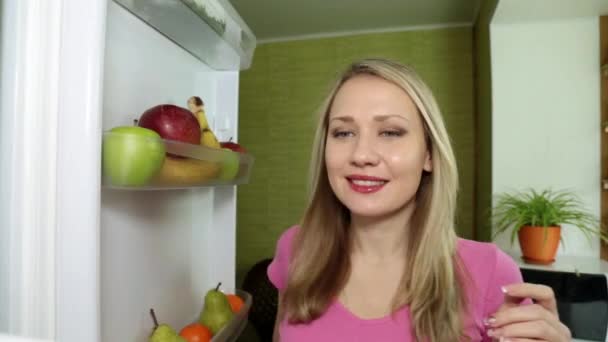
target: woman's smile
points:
(366, 184)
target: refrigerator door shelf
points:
(233, 330)
(138, 163)
(210, 30)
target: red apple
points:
(233, 146)
(173, 123)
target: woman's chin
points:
(368, 212)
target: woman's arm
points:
(275, 334)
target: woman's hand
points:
(533, 322)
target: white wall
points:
(537, 10)
(546, 113)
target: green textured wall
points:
(483, 112)
(281, 92)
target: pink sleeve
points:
(506, 272)
(277, 270)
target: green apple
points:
(131, 155)
(230, 164)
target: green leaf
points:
(545, 208)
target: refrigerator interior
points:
(161, 249)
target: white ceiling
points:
(289, 19)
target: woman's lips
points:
(365, 184)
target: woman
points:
(376, 257)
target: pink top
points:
(489, 269)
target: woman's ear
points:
(428, 162)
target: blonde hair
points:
(433, 284)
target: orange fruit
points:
(196, 332)
(235, 301)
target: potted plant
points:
(536, 219)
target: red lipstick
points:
(365, 184)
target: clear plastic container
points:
(234, 329)
(145, 163)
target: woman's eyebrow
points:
(348, 118)
(345, 118)
(386, 117)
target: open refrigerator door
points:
(96, 257)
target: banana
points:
(197, 108)
(202, 119)
(208, 139)
(186, 171)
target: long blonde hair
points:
(433, 284)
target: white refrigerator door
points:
(161, 249)
(51, 69)
(78, 263)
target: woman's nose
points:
(364, 153)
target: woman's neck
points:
(381, 238)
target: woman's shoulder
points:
(476, 252)
(485, 258)
(488, 268)
(286, 238)
(278, 268)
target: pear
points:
(216, 311)
(163, 332)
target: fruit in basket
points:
(186, 171)
(216, 311)
(163, 332)
(131, 155)
(172, 122)
(197, 108)
(208, 139)
(196, 332)
(236, 302)
(230, 165)
(233, 146)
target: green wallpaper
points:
(279, 96)
(483, 129)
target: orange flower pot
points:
(539, 244)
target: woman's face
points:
(375, 151)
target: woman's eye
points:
(392, 133)
(342, 134)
